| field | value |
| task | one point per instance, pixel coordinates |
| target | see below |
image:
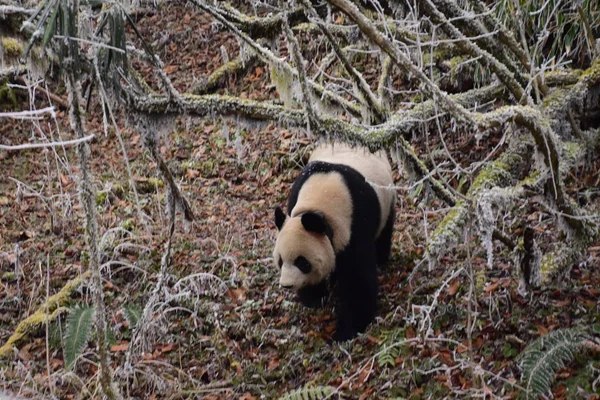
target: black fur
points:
(314, 221)
(384, 241)
(355, 274)
(279, 217)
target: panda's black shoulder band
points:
(315, 221)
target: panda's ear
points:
(280, 217)
(314, 221)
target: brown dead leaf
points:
(372, 339)
(64, 179)
(561, 303)
(167, 348)
(492, 287)
(542, 330)
(237, 295)
(192, 173)
(364, 375)
(119, 348)
(410, 332)
(274, 363)
(367, 394)
(170, 68)
(446, 358)
(453, 288)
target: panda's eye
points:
(280, 262)
(303, 264)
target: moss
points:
(8, 276)
(531, 179)
(558, 261)
(101, 198)
(283, 81)
(149, 185)
(593, 72)
(7, 96)
(128, 224)
(118, 190)
(47, 311)
(13, 48)
(448, 230)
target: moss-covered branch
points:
(500, 173)
(547, 145)
(236, 68)
(262, 27)
(46, 312)
(404, 122)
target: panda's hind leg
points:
(384, 241)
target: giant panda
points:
(337, 230)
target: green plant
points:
(309, 393)
(392, 347)
(78, 333)
(562, 27)
(132, 314)
(542, 358)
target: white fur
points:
(293, 240)
(374, 167)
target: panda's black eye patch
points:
(280, 262)
(303, 264)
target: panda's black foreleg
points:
(314, 296)
(357, 292)
(384, 241)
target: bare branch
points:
(400, 59)
(367, 95)
(43, 145)
(471, 48)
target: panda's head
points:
(303, 249)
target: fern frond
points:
(309, 393)
(132, 314)
(548, 354)
(77, 335)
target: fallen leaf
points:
(453, 288)
(274, 363)
(170, 68)
(119, 348)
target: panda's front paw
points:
(311, 302)
(313, 296)
(344, 333)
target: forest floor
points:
(240, 336)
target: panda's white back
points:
(374, 167)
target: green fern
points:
(391, 347)
(548, 354)
(77, 335)
(132, 314)
(309, 393)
